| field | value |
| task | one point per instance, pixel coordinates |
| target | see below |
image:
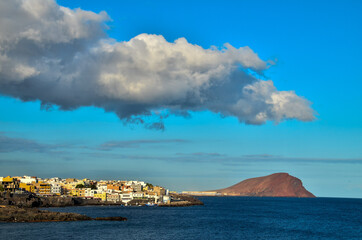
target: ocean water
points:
(219, 218)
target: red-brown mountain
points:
(274, 185)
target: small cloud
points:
(8, 162)
(156, 125)
(110, 145)
(262, 156)
(10, 144)
(203, 154)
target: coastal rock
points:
(274, 185)
(16, 214)
(110, 219)
(20, 200)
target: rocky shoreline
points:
(24, 207)
(17, 214)
(33, 201)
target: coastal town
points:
(22, 196)
(110, 191)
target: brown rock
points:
(274, 185)
(16, 214)
(110, 219)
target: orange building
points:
(113, 187)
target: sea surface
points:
(219, 218)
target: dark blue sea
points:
(219, 218)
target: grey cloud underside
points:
(63, 57)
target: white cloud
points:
(62, 56)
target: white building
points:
(54, 180)
(102, 188)
(166, 199)
(138, 195)
(158, 198)
(28, 180)
(129, 183)
(126, 197)
(88, 192)
(56, 188)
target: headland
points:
(274, 185)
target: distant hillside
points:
(274, 185)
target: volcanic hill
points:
(274, 185)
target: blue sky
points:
(316, 48)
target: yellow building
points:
(10, 183)
(43, 188)
(102, 196)
(72, 192)
(78, 192)
(70, 186)
(27, 187)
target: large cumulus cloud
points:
(63, 57)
